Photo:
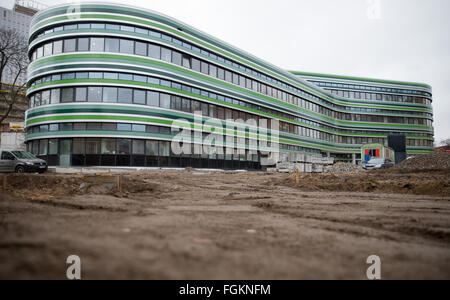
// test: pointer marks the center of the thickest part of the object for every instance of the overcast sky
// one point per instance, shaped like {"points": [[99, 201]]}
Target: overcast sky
{"points": [[390, 39]]}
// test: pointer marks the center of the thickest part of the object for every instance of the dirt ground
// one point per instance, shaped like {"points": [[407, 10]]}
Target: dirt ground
{"points": [[200, 225]]}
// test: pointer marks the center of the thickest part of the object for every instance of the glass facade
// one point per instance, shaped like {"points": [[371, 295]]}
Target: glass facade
{"points": [[114, 99]]}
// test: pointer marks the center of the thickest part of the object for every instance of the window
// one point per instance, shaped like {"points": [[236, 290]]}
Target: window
{"points": [[57, 47], [164, 149], [40, 52], [112, 45], [69, 45], [204, 68], [152, 148], [80, 94], [53, 146], [48, 49], [221, 73], [212, 71], [138, 128], [54, 127], [109, 126], [195, 65], [43, 128], [93, 146], [67, 95], [79, 126], [127, 28], [123, 127], [95, 94], [176, 58], [126, 46], [166, 54], [97, 44], [138, 147], [45, 99], [54, 98], [110, 94], [139, 97], [164, 101], [141, 49], [154, 51], [78, 146], [83, 44], [186, 105], [228, 76], [109, 146], [65, 127], [186, 61], [125, 95], [152, 129], [235, 78], [94, 126], [123, 146], [43, 147], [153, 99]]}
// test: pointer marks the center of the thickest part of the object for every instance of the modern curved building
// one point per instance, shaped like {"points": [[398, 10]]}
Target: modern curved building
{"points": [[109, 83]]}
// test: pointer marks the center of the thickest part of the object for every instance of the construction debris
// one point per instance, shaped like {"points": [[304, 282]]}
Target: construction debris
{"points": [[429, 161]]}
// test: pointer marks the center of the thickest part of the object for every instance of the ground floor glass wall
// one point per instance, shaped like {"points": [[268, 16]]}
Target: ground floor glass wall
{"points": [[112, 152]]}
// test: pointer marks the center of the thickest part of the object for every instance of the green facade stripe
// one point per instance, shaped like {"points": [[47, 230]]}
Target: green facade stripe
{"points": [[215, 81]]}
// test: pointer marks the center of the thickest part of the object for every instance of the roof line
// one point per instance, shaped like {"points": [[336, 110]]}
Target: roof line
{"points": [[360, 79]]}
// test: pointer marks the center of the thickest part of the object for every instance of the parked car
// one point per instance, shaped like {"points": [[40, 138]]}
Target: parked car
{"points": [[21, 162], [378, 163]]}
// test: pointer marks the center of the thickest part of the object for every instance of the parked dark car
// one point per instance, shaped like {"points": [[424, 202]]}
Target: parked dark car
{"points": [[378, 163], [21, 162]]}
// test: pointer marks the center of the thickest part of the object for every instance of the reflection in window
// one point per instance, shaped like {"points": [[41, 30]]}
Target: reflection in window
{"points": [[110, 94], [97, 44], [112, 45], [126, 46], [166, 54], [125, 95], [93, 146], [70, 45], [80, 94], [108, 146], [152, 148], [123, 146], [139, 147], [95, 94]]}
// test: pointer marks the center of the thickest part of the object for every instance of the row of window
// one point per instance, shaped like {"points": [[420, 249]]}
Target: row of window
{"points": [[113, 146], [43, 99], [150, 98], [368, 88], [380, 97], [187, 61], [170, 39]]}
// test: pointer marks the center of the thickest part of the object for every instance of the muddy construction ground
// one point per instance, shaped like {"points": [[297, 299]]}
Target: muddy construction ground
{"points": [[199, 225]]}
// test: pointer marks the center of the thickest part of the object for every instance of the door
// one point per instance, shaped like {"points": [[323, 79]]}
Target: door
{"points": [[65, 153], [7, 162]]}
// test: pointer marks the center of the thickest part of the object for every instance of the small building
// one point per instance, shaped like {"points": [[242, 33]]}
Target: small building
{"points": [[370, 151]]}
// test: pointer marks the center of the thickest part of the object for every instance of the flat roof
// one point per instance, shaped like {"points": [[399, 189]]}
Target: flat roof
{"points": [[360, 79]]}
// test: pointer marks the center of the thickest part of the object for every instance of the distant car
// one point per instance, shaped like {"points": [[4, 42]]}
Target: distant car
{"points": [[21, 162], [378, 163]]}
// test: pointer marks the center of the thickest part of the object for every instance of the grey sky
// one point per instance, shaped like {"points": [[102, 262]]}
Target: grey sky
{"points": [[409, 41]]}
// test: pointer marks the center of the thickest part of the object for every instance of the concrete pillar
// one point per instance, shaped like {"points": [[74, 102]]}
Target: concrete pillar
{"points": [[328, 154], [354, 158]]}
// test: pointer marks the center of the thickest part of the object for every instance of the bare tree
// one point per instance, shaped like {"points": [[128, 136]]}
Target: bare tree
{"points": [[446, 143], [13, 62]]}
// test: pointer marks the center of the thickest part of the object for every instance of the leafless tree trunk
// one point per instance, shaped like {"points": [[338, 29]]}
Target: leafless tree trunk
{"points": [[14, 62]]}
